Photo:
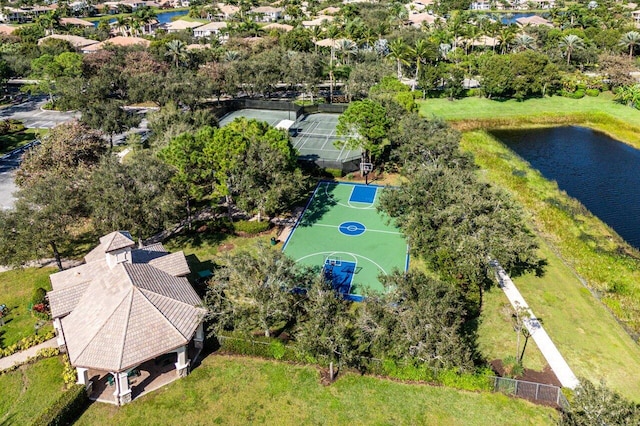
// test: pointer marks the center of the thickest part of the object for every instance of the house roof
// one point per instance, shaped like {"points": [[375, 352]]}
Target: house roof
{"points": [[418, 18], [76, 22], [534, 20], [7, 29], [212, 26], [266, 9], [76, 41], [182, 25], [122, 315], [316, 22], [276, 26], [116, 240], [118, 41]]}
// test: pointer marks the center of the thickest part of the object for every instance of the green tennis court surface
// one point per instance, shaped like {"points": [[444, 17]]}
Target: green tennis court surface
{"points": [[342, 235]]}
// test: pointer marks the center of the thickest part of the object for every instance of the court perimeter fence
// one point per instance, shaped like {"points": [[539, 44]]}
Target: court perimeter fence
{"points": [[346, 166], [274, 349], [224, 107]]}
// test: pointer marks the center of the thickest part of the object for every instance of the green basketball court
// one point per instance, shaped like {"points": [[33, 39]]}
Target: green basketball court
{"points": [[343, 235]]}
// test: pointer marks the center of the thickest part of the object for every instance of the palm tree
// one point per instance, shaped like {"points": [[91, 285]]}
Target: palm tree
{"points": [[399, 52], [122, 25], [422, 51], [231, 55], [177, 50], [571, 43], [523, 42], [630, 40], [506, 37], [316, 34], [346, 48]]}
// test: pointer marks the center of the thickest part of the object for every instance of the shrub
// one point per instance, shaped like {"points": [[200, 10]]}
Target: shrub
{"points": [[578, 94], [512, 368], [251, 227], [26, 343], [467, 381], [334, 172], [4, 127], [66, 409], [39, 296], [277, 349], [592, 92]]}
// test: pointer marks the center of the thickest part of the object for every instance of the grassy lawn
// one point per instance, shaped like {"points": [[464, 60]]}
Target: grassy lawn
{"points": [[15, 140], [29, 390], [234, 390], [481, 108], [16, 289], [585, 332], [496, 337]]}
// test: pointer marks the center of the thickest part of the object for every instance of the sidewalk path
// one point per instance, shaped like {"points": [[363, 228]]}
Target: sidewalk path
{"points": [[549, 351], [20, 357]]}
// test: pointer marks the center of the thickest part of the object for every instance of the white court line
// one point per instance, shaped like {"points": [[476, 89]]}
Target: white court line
{"points": [[366, 229]]}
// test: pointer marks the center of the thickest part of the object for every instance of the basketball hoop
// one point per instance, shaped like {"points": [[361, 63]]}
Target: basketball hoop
{"points": [[365, 169]]}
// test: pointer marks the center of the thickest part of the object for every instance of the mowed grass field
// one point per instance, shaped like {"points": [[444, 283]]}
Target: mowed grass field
{"points": [[482, 108], [29, 390], [240, 391], [16, 290]]}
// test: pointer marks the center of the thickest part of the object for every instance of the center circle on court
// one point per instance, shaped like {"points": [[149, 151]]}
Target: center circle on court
{"points": [[352, 229]]}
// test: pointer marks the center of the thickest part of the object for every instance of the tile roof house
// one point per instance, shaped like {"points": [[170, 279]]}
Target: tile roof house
{"points": [[123, 307], [77, 42], [533, 21]]}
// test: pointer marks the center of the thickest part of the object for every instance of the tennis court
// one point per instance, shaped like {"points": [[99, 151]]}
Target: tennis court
{"points": [[344, 237], [312, 135]]}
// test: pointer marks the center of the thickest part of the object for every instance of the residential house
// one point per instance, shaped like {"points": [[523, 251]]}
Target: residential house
{"points": [[14, 15], [76, 22], [212, 28], [533, 21], [419, 20], [278, 27], [128, 318], [117, 41], [79, 43], [318, 21], [227, 11], [636, 17], [267, 13], [181, 25]]}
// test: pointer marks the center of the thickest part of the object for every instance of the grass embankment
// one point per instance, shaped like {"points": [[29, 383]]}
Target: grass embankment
{"points": [[16, 290], [11, 141], [29, 390], [233, 390], [585, 332]]}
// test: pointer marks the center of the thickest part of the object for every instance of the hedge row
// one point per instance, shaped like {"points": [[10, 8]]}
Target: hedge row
{"points": [[275, 349], [26, 343], [251, 227], [40, 354], [66, 409]]}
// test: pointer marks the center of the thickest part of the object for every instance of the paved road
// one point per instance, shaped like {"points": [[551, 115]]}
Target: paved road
{"points": [[33, 117], [30, 113], [553, 356]]}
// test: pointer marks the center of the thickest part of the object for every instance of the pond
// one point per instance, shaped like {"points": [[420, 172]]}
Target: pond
{"points": [[163, 17], [510, 18], [601, 172]]}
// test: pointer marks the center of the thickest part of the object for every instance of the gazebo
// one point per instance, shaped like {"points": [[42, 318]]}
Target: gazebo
{"points": [[123, 309]]}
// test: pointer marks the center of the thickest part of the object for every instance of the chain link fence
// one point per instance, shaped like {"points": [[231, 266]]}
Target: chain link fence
{"points": [[531, 391]]}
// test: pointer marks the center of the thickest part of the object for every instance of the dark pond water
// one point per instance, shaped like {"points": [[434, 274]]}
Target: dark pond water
{"points": [[604, 174], [163, 17]]}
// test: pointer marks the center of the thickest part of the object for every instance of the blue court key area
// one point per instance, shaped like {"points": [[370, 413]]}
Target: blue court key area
{"points": [[352, 229], [363, 194], [340, 275]]}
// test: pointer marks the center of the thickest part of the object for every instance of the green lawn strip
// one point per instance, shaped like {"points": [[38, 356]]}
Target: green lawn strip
{"points": [[11, 141], [29, 390], [590, 248], [496, 337], [16, 289], [233, 390], [482, 108]]}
